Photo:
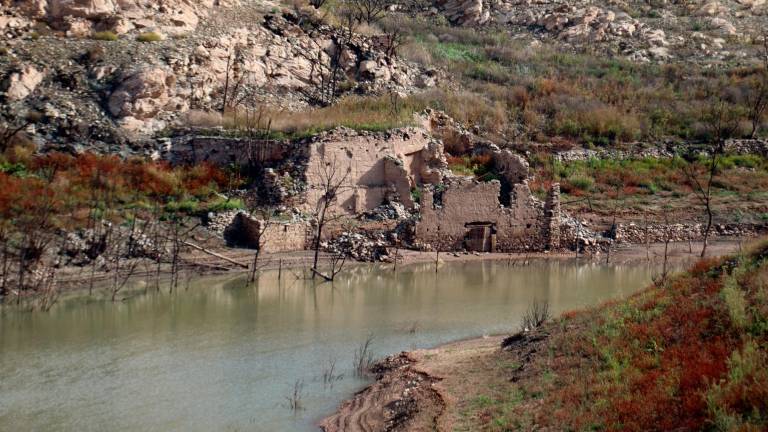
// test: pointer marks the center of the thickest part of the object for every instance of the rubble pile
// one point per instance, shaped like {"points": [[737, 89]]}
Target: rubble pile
{"points": [[390, 211], [218, 222], [367, 247], [575, 235], [83, 246]]}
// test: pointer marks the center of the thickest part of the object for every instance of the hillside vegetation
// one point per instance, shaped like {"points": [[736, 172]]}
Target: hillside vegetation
{"points": [[688, 353]]}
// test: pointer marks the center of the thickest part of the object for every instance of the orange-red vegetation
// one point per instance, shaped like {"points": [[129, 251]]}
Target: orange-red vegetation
{"points": [[64, 187], [687, 354]]}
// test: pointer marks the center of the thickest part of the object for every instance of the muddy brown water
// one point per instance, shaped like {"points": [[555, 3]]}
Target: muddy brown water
{"points": [[222, 355]]}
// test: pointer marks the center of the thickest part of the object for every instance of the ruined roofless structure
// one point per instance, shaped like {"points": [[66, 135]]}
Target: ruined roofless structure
{"points": [[377, 167]]}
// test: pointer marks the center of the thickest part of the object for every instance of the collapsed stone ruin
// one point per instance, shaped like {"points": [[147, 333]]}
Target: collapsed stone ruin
{"points": [[469, 216], [371, 168], [405, 166]]}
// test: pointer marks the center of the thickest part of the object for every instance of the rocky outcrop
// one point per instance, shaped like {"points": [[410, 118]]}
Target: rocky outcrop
{"points": [[465, 12], [20, 82], [141, 94], [102, 95], [120, 16], [587, 24]]}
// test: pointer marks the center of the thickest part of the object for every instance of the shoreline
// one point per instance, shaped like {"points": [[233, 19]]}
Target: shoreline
{"points": [[74, 280], [410, 388]]}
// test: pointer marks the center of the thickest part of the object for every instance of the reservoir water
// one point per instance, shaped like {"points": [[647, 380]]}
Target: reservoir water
{"points": [[220, 354]]}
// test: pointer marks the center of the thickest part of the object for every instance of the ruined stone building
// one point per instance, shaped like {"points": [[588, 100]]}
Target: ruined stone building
{"points": [[468, 215], [375, 168]]}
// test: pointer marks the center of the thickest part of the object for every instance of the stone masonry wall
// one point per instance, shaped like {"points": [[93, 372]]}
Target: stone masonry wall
{"points": [[278, 236], [521, 227], [374, 167], [221, 151]]}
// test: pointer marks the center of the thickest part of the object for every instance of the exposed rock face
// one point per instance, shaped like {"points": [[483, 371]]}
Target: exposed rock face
{"points": [[169, 16], [465, 12], [21, 82], [656, 31], [142, 94], [588, 24], [103, 95]]}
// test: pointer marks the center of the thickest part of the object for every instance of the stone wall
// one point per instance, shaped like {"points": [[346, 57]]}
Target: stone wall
{"points": [[657, 233], [277, 237], [372, 167], [448, 217], [222, 151]]}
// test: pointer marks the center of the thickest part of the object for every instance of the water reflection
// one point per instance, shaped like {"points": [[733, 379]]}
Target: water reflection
{"points": [[223, 354]]}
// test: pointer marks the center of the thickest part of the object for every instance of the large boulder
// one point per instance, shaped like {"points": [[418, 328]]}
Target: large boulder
{"points": [[465, 12], [20, 82], [143, 93]]}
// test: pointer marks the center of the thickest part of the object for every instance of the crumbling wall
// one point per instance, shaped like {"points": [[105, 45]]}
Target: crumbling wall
{"points": [[276, 237], [552, 214], [374, 167], [223, 151], [371, 167], [524, 226]]}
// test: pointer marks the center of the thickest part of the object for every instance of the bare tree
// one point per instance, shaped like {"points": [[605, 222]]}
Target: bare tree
{"points": [[363, 359], [123, 266], [263, 221], [395, 36], [723, 120], [8, 132], [756, 98], [661, 279], [437, 249], [333, 179], [370, 11], [329, 373], [295, 397], [317, 4], [327, 70], [233, 78], [536, 315]]}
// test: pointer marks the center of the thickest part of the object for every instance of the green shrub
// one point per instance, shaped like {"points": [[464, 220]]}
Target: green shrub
{"points": [[733, 297], [223, 204], [582, 182], [105, 36], [149, 37], [183, 206], [416, 194]]}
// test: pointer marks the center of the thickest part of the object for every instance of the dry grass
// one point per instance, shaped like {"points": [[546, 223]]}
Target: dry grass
{"points": [[359, 113]]}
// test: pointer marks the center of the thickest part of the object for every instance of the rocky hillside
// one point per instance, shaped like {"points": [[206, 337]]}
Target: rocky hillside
{"points": [[704, 31], [114, 75], [108, 75]]}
